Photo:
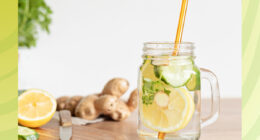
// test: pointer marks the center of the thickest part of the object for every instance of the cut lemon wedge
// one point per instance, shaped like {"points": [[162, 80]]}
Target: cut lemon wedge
{"points": [[35, 108], [175, 116]]}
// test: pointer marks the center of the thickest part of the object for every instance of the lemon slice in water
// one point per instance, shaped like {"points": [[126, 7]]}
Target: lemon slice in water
{"points": [[168, 113]]}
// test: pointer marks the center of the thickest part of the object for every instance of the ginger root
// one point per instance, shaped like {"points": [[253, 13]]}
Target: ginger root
{"points": [[122, 111], [61, 102], [133, 100], [72, 103], [106, 103], [86, 109], [116, 87]]}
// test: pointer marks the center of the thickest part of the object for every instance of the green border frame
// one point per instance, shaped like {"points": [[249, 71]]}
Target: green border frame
{"points": [[251, 69], [8, 69]]}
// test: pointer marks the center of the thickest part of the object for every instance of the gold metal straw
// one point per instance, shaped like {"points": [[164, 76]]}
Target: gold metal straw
{"points": [[161, 135], [178, 39], [180, 27]]}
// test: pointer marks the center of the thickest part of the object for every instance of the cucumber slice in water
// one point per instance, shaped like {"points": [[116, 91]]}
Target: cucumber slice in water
{"points": [[177, 73], [25, 133], [194, 83]]}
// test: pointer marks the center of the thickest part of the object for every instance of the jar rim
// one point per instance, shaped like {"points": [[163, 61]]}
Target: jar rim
{"points": [[168, 42], [167, 47]]}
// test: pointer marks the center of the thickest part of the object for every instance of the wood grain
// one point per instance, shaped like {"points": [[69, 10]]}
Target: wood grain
{"points": [[227, 127]]}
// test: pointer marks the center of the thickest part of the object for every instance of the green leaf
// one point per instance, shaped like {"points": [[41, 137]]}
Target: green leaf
{"points": [[167, 91], [33, 16], [150, 88]]}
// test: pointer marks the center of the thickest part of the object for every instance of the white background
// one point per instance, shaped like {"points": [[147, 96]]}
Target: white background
{"points": [[92, 41]]}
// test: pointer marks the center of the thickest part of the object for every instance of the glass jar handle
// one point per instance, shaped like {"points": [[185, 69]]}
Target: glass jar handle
{"points": [[215, 97]]}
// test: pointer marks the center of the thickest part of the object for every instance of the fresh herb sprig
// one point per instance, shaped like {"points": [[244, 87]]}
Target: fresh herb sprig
{"points": [[33, 15], [150, 88]]}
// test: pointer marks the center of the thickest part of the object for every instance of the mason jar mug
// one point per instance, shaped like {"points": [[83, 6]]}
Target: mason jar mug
{"points": [[169, 93]]}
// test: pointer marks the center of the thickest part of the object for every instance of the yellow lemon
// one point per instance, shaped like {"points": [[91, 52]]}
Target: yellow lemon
{"points": [[35, 108], [168, 113], [191, 108], [147, 69]]}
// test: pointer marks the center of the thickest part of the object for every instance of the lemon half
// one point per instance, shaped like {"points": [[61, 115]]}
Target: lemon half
{"points": [[35, 108]]}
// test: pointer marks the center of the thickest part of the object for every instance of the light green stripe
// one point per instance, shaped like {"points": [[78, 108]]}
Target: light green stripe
{"points": [[252, 76], [8, 60], [248, 22], [8, 69], [251, 70], [11, 40], [8, 87], [12, 72], [9, 134], [248, 109], [8, 106], [254, 131], [8, 121], [250, 50], [245, 4]]}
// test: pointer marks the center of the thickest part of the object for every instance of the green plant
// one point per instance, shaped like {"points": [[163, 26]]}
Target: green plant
{"points": [[33, 15]]}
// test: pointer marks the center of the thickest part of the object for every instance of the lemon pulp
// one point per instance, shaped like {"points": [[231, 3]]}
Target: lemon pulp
{"points": [[35, 108]]}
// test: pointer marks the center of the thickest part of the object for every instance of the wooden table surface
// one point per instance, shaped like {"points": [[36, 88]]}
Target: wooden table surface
{"points": [[227, 127]]}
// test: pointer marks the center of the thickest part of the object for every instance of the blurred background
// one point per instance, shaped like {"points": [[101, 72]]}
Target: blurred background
{"points": [[92, 41]]}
